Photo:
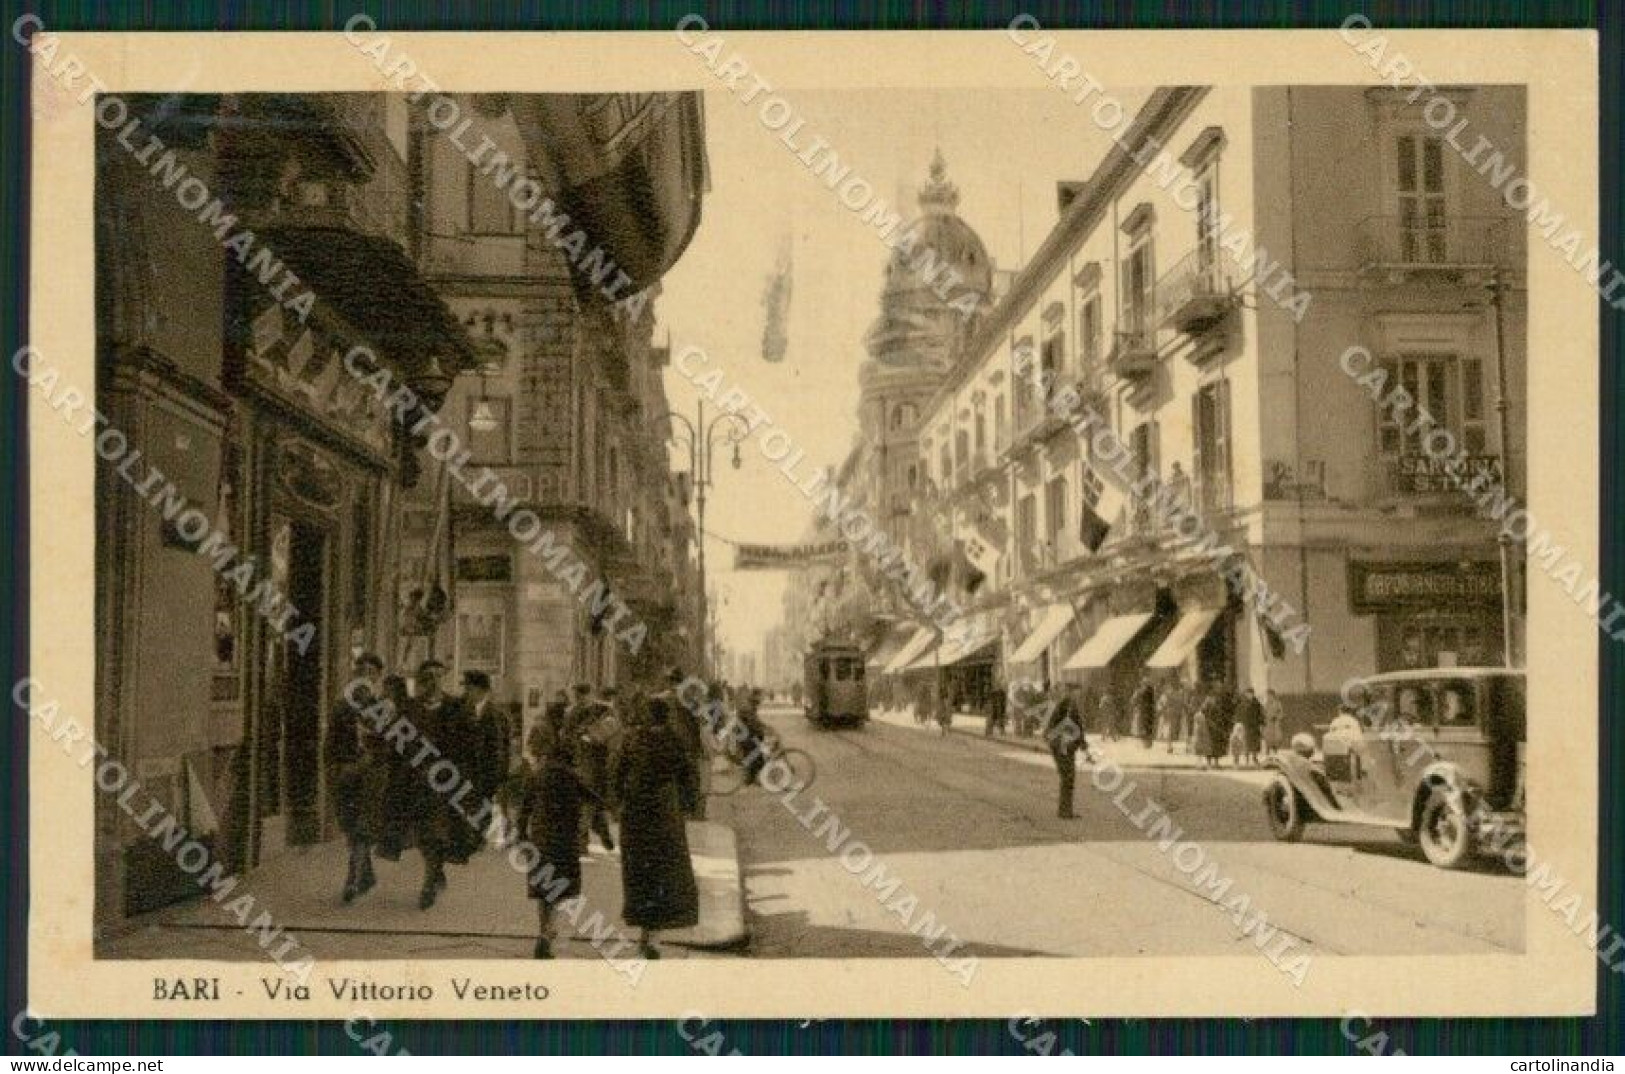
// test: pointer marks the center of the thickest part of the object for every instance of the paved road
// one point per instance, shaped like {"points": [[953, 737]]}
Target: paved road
{"points": [[968, 826]]}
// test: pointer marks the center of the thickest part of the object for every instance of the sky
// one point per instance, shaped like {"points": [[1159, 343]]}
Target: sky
{"points": [[1005, 150]]}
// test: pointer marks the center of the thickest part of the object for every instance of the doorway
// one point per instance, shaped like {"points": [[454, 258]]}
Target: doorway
{"points": [[291, 725]]}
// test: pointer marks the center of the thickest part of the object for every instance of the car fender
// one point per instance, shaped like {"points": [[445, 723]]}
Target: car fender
{"points": [[1442, 774], [1299, 771]]}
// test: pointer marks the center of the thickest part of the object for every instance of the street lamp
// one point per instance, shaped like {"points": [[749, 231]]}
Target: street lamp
{"points": [[1503, 405], [701, 439]]}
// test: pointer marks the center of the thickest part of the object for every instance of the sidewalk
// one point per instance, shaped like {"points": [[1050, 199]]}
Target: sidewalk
{"points": [[1126, 753], [484, 911]]}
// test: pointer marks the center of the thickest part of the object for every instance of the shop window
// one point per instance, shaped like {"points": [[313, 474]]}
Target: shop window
{"points": [[1431, 640]]}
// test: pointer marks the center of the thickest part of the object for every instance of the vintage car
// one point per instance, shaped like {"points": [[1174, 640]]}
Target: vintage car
{"points": [[1436, 755]]}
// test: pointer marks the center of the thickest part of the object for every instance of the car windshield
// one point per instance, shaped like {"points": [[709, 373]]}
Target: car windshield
{"points": [[1458, 704]]}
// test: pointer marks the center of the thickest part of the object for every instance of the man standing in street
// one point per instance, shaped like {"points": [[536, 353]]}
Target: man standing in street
{"points": [[1063, 731], [589, 750], [443, 834], [684, 712]]}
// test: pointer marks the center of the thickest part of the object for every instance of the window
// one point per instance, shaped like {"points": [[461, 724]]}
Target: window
{"points": [[1452, 393], [1210, 421], [1139, 278], [903, 415], [1055, 508], [1053, 357], [1207, 217], [1144, 449], [961, 448], [489, 210], [1027, 529], [946, 466], [1001, 430], [981, 435], [492, 445], [1419, 185]]}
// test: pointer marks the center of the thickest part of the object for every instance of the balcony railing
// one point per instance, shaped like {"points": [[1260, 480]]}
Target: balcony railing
{"points": [[1196, 293], [1398, 244]]}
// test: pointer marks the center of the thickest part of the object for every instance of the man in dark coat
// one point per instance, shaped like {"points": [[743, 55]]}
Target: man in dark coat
{"points": [[589, 753], [348, 757], [686, 712], [450, 750], [489, 728], [1144, 705], [654, 785], [549, 812], [1250, 714], [1063, 732]]}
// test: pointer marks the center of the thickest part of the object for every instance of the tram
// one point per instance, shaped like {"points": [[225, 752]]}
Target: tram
{"points": [[834, 678]]}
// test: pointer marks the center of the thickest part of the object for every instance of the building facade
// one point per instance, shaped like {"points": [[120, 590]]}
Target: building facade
{"points": [[277, 518]]}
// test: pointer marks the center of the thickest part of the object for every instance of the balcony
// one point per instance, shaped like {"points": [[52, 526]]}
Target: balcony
{"points": [[1133, 352], [1399, 248], [1197, 293]]}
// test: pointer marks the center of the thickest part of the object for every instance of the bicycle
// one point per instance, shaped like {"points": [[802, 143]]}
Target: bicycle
{"points": [[776, 757]]}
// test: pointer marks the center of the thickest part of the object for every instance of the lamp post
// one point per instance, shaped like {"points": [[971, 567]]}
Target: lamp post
{"points": [[701, 437]]}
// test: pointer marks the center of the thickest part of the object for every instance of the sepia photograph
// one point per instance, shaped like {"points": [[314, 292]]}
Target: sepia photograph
{"points": [[558, 550]]}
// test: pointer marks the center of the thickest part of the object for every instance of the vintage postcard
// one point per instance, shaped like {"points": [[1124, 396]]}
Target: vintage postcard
{"points": [[697, 524]]}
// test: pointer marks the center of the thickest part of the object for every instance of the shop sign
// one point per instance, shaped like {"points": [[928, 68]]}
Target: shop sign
{"points": [[1417, 475], [1378, 586]]}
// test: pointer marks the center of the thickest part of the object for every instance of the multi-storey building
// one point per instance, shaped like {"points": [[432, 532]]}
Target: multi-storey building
{"points": [[1199, 293], [246, 254]]}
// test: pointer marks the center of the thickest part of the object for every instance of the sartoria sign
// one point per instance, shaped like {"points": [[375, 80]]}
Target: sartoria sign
{"points": [[1376, 586]]}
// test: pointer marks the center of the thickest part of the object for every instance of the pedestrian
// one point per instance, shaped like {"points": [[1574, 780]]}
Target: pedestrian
{"points": [[1063, 733], [752, 736], [488, 729], [944, 710], [653, 786], [1274, 722], [1144, 704], [588, 739], [352, 766], [685, 716], [996, 710], [1223, 720], [1211, 731], [444, 833], [1250, 718], [1108, 714], [549, 816], [392, 775]]}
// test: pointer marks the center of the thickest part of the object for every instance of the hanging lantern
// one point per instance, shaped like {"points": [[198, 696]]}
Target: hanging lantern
{"points": [[484, 418]]}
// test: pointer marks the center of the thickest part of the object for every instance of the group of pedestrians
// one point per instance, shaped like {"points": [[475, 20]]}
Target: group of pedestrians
{"points": [[421, 768]]}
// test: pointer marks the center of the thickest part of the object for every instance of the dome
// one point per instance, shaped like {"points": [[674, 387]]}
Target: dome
{"points": [[937, 241], [938, 278]]}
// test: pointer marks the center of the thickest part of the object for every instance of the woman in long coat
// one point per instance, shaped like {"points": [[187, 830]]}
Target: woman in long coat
{"points": [[1208, 737], [653, 785], [549, 811]]}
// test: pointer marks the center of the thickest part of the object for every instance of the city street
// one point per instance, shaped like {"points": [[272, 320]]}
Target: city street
{"points": [[969, 826]]}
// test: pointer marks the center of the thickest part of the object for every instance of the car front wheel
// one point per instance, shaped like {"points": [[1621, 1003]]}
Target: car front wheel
{"points": [[1285, 810], [1444, 831]]}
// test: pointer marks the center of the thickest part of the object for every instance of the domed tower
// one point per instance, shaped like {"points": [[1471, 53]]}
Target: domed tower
{"points": [[937, 288]]}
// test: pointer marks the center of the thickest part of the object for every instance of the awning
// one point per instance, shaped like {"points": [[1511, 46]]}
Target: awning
{"points": [[1187, 635], [888, 647], [957, 650], [1107, 642], [929, 660], [923, 637], [376, 287], [1056, 618]]}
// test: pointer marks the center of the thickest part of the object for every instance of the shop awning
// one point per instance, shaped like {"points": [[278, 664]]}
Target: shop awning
{"points": [[1107, 642], [958, 649], [922, 639], [1056, 618], [888, 647], [1187, 635], [929, 660]]}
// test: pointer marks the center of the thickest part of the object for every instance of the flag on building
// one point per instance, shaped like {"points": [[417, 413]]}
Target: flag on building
{"points": [[1102, 503]]}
